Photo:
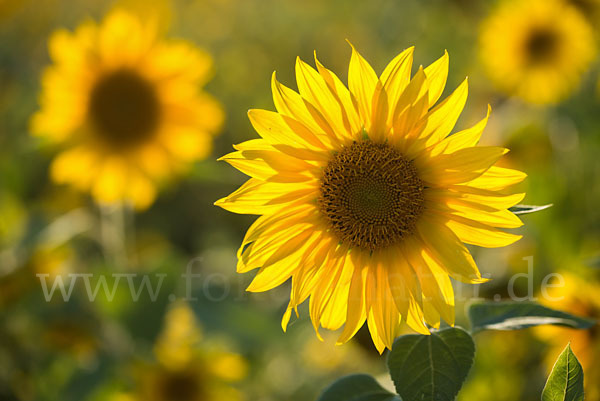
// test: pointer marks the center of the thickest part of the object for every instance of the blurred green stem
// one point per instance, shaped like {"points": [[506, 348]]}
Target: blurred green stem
{"points": [[116, 222]]}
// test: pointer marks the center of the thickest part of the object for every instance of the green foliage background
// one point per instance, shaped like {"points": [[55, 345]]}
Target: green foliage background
{"points": [[557, 146]]}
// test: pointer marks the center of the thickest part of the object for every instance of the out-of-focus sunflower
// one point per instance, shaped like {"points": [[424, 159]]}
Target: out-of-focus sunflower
{"points": [[580, 297], [320, 358], [45, 262], [187, 368], [70, 336], [365, 201], [588, 8], [537, 49], [128, 107]]}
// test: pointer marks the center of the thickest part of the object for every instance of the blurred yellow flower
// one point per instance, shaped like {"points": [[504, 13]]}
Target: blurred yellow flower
{"points": [[14, 219], [68, 335], [536, 49], [127, 106], [365, 201], [580, 297], [320, 357], [187, 369], [588, 8], [45, 259], [179, 337]]}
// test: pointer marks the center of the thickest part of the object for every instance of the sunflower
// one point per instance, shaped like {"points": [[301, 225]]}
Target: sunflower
{"points": [[580, 297], [127, 107], [588, 8], [537, 50], [365, 201], [187, 369]]}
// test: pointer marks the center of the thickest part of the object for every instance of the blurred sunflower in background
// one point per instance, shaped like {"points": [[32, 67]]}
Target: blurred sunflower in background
{"points": [[537, 50], [365, 199], [187, 369], [46, 260], [580, 297], [590, 9], [126, 106]]}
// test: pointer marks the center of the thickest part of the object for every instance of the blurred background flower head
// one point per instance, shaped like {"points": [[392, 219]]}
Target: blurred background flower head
{"points": [[126, 105], [537, 50], [187, 368]]}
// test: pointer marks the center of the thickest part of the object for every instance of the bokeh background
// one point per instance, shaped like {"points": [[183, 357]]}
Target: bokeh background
{"points": [[113, 349]]}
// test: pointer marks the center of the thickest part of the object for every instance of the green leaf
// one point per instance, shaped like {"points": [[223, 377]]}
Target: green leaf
{"points": [[565, 382], [357, 388], [526, 209], [433, 367], [510, 315]]}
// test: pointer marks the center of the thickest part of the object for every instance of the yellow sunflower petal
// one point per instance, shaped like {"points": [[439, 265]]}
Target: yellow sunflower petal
{"points": [[377, 338], [282, 263], [111, 182], [334, 313], [309, 273], [342, 94], [141, 191], [258, 252], [313, 88], [291, 104], [435, 284], [442, 118], [446, 248], [497, 178], [77, 166], [383, 307], [415, 318], [461, 166], [480, 234], [274, 129], [357, 308], [123, 39], [437, 74], [473, 197], [462, 139], [259, 197], [395, 78], [412, 104], [331, 293], [362, 82]]}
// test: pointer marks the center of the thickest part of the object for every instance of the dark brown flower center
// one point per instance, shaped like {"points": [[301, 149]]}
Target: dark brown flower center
{"points": [[124, 109], [180, 386], [541, 45], [371, 195], [586, 7]]}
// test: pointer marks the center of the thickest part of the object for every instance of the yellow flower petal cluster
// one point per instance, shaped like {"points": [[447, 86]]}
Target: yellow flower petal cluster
{"points": [[365, 199], [188, 368], [126, 106]]}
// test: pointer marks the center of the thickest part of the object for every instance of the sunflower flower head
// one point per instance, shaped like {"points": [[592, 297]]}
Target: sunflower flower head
{"points": [[537, 50], [126, 106], [188, 367], [365, 201], [590, 9]]}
